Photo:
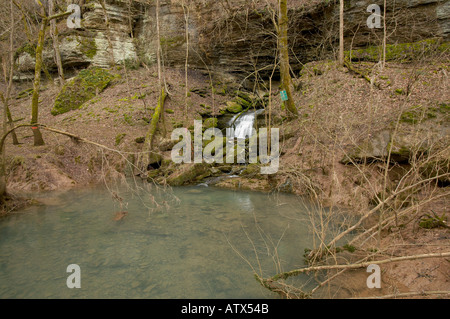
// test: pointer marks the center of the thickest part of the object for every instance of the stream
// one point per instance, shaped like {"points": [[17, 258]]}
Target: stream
{"points": [[196, 242]]}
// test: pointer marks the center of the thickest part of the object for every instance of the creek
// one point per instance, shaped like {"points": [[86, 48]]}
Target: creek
{"points": [[194, 243]]}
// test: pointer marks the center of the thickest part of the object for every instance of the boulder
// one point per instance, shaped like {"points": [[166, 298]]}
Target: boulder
{"points": [[233, 107]]}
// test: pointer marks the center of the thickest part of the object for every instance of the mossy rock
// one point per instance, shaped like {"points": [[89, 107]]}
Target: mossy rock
{"points": [[153, 174], [203, 92], [188, 173], [205, 112], [210, 123], [26, 48], [87, 46], [243, 102], [87, 84], [233, 107], [402, 52], [140, 140], [252, 170]]}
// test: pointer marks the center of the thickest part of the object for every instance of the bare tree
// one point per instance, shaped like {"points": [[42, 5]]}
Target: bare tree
{"points": [[108, 33], [383, 63], [54, 35], [9, 76], [146, 155], [5, 106], [341, 32], [186, 18], [286, 80], [38, 140]]}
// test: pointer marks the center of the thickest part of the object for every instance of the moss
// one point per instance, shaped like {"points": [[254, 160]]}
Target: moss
{"points": [[119, 138], [140, 140], [25, 93], [243, 102], [251, 170], [220, 91], [429, 222], [29, 48], [444, 108], [188, 173], [349, 248], [87, 46], [402, 52], [172, 42], [177, 124], [418, 114], [169, 111], [210, 123], [128, 119], [86, 85], [233, 107]]}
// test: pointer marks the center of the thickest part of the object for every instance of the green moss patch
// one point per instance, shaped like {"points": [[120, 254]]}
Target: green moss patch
{"points": [[87, 46], [402, 52], [210, 123], [87, 84], [233, 107], [26, 48], [418, 114]]}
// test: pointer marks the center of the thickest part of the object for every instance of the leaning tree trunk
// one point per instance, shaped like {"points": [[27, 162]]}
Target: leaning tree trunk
{"points": [[147, 154], [286, 80]]}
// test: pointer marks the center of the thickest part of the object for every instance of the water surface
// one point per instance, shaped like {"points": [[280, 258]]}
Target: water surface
{"points": [[193, 245]]}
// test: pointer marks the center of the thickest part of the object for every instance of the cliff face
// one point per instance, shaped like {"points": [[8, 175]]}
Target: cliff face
{"points": [[231, 37]]}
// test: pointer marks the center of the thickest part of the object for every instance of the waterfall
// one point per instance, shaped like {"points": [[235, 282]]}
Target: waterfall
{"points": [[243, 123]]}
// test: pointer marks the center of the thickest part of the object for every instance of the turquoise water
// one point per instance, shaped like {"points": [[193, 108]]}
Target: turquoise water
{"points": [[192, 245]]}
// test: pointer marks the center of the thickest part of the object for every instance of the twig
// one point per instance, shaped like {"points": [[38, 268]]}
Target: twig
{"points": [[407, 294], [296, 272]]}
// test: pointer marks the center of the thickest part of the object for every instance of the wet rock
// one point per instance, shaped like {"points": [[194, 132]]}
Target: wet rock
{"points": [[188, 173]]}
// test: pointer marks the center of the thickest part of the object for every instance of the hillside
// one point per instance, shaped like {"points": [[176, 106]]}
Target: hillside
{"points": [[369, 141]]}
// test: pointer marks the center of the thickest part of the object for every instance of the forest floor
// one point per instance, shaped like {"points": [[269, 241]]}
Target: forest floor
{"points": [[337, 110]]}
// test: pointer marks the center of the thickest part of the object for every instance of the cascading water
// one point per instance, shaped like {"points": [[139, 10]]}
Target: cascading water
{"points": [[243, 123]]}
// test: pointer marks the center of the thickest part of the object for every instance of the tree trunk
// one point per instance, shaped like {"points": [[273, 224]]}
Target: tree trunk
{"points": [[108, 33], [5, 99], [54, 35], [38, 140], [186, 19], [5, 111], [383, 62], [146, 154], [11, 123], [286, 80], [341, 32]]}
